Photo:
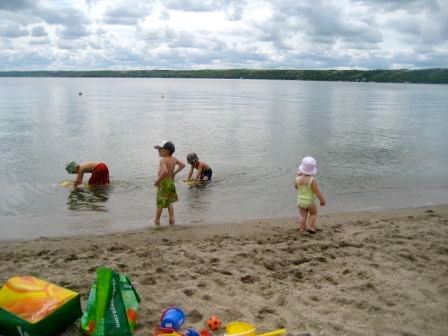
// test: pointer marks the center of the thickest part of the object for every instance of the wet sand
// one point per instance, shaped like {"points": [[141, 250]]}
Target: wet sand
{"points": [[369, 273]]}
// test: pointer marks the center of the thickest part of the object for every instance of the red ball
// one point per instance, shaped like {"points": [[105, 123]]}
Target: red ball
{"points": [[213, 323]]}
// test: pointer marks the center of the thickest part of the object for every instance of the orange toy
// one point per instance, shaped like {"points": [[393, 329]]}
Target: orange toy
{"points": [[213, 323]]}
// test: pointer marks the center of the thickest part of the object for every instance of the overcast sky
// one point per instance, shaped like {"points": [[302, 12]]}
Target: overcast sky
{"points": [[222, 34]]}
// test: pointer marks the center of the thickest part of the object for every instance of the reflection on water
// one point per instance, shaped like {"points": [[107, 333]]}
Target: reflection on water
{"points": [[198, 195], [88, 199], [197, 199]]}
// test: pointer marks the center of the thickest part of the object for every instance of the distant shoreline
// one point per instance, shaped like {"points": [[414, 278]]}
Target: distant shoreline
{"points": [[425, 76]]}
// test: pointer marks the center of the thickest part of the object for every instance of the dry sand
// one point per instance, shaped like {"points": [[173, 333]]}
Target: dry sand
{"points": [[371, 273]]}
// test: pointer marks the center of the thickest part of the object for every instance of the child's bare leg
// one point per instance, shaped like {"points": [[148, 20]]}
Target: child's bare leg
{"points": [[171, 214], [312, 219], [157, 218], [303, 213]]}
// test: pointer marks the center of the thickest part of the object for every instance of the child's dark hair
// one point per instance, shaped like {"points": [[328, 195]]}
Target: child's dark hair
{"points": [[192, 158]]}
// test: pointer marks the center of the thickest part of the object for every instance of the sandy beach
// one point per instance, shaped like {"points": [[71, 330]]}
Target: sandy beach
{"points": [[369, 273]]}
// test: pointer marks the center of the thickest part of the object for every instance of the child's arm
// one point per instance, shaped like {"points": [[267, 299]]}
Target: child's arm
{"points": [[190, 174], [163, 172], [79, 177], [180, 166], [316, 190]]}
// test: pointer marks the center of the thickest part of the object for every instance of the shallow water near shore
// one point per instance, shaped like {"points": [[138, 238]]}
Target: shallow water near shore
{"points": [[377, 146]]}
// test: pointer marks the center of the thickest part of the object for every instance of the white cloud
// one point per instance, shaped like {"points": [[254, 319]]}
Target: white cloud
{"points": [[126, 13], [13, 31], [188, 34], [39, 31]]}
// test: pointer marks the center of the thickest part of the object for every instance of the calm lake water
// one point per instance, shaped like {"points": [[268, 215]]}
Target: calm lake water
{"points": [[377, 146]]}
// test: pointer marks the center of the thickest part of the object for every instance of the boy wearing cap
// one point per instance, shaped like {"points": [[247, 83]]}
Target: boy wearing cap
{"points": [[99, 171], [166, 189]]}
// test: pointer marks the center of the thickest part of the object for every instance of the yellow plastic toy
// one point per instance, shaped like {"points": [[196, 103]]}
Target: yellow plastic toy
{"points": [[69, 184], [246, 329], [194, 183]]}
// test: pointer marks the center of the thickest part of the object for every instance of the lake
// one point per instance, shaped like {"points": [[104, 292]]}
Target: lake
{"points": [[377, 146]]}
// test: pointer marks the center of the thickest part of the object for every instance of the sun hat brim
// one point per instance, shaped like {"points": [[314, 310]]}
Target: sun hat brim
{"points": [[305, 171]]}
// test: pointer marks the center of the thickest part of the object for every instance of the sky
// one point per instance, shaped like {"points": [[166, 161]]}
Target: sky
{"points": [[223, 34]]}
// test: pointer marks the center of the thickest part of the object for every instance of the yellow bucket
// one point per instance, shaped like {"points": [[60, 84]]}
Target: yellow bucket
{"points": [[246, 329]]}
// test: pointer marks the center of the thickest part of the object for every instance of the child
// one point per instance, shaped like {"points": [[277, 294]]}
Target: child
{"points": [[307, 189], [204, 171], [99, 170], [166, 189]]}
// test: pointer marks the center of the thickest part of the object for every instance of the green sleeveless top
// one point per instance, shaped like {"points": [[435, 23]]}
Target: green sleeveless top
{"points": [[305, 195]]}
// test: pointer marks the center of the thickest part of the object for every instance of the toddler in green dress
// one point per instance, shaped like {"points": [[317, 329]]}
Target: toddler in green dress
{"points": [[307, 188]]}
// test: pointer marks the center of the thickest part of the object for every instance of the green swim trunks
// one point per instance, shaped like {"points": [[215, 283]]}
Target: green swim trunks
{"points": [[166, 193]]}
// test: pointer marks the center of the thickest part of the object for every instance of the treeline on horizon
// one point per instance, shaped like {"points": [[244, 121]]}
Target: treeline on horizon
{"points": [[427, 76]]}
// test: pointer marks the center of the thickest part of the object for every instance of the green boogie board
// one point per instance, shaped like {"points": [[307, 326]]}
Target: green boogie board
{"points": [[112, 306]]}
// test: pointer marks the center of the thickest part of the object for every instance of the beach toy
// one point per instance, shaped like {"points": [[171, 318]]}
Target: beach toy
{"points": [[66, 184], [246, 329], [172, 317], [213, 322], [194, 183], [159, 331], [191, 332], [31, 306], [69, 184], [204, 332]]}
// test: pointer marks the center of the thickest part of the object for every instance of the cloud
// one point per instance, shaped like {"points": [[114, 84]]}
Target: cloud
{"points": [[232, 8], [73, 22], [403, 5], [40, 41], [73, 32], [39, 31], [126, 14], [62, 16], [188, 34], [324, 22], [13, 31], [16, 5], [181, 40], [31, 59], [71, 45], [193, 6]]}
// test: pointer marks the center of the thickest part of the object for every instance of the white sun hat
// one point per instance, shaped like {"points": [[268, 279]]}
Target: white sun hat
{"points": [[308, 166]]}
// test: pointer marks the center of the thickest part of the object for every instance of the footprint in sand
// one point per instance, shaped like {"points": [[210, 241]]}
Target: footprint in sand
{"points": [[298, 275], [149, 280], [189, 291], [214, 261], [202, 284], [194, 316], [248, 279], [117, 248], [267, 310], [282, 301]]}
